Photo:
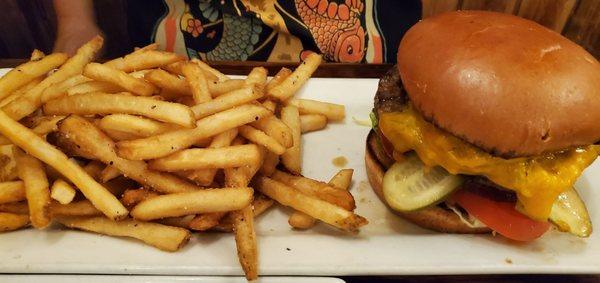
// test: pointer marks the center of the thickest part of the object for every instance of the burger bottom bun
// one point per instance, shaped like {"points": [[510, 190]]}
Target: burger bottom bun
{"points": [[433, 218]]}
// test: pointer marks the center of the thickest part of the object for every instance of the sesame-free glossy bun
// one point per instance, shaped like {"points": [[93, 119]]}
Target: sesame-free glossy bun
{"points": [[503, 83]]}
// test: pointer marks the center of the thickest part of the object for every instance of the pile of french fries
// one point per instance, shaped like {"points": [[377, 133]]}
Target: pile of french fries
{"points": [[152, 146]]}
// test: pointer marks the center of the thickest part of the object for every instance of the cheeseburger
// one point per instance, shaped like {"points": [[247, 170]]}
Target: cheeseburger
{"points": [[484, 125]]}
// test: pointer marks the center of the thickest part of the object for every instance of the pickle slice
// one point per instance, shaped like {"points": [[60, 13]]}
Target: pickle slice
{"points": [[409, 185], [569, 214]]}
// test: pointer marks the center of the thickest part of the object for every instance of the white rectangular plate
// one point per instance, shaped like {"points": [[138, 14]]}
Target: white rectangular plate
{"points": [[53, 278], [388, 245]]}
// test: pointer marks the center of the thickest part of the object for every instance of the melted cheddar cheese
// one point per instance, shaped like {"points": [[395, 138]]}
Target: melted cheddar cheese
{"points": [[537, 180]]}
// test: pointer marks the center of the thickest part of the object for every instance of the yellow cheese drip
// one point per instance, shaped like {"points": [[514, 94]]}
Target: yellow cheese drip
{"points": [[537, 180]]}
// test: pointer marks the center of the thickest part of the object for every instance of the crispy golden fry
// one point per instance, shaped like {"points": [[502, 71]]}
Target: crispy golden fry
{"points": [[30, 101], [333, 112], [168, 82], [175, 68], [15, 207], [301, 220], [44, 127], [258, 77], [21, 91], [31, 171], [319, 209], [276, 129], [105, 103], [197, 81], [245, 240], [206, 221], [108, 173], [203, 201], [144, 59], [114, 76], [36, 55], [310, 187], [292, 158], [227, 101], [76, 208], [60, 89], [127, 127], [182, 222], [241, 176], [296, 79], [27, 72], [312, 122], [11, 222], [92, 142], [8, 167], [12, 191], [210, 70], [259, 137], [260, 204], [92, 87], [39, 148], [342, 179], [168, 143], [204, 177], [62, 192], [270, 104], [217, 88], [269, 164], [278, 78], [205, 158], [131, 198], [163, 237]]}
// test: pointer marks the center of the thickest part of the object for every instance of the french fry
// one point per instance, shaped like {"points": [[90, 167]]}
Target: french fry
{"points": [[60, 89], [62, 192], [127, 127], [319, 209], [168, 143], [131, 198], [241, 176], [197, 82], [210, 70], [11, 222], [258, 76], [21, 91], [278, 78], [36, 55], [92, 87], [276, 129], [76, 208], [30, 101], [312, 122], [31, 171], [227, 101], [260, 204], [270, 104], [93, 143], [269, 164], [217, 88], [206, 221], [341, 198], [182, 222], [27, 72], [205, 158], [259, 137], [342, 179], [44, 127], [12, 191], [94, 169], [15, 207], [292, 157], [333, 112], [163, 237], [39, 148], [108, 173], [168, 82], [203, 201], [245, 240], [296, 79], [175, 68], [114, 76], [144, 59], [8, 167], [105, 103]]}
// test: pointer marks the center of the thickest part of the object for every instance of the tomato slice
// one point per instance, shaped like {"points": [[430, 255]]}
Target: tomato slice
{"points": [[501, 217]]}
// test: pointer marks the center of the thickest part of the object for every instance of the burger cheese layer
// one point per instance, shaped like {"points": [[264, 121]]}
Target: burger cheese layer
{"points": [[537, 180]]}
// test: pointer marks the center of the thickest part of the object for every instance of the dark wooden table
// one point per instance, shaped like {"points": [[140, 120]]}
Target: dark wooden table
{"points": [[376, 71]]}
